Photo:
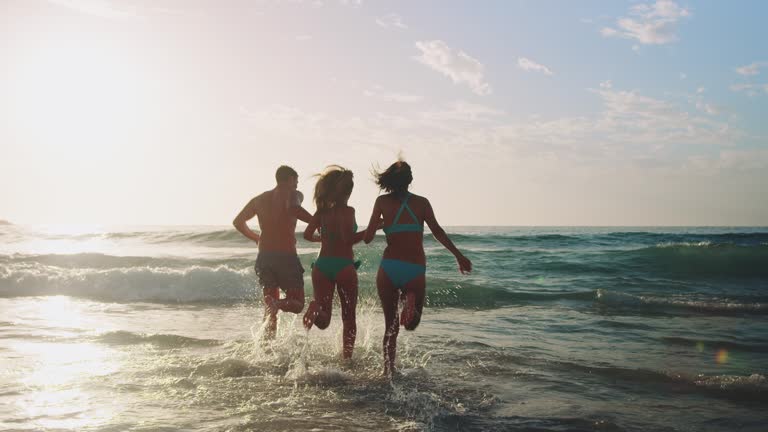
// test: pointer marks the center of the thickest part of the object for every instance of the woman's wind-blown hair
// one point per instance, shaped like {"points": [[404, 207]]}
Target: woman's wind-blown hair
{"points": [[333, 188], [396, 178]]}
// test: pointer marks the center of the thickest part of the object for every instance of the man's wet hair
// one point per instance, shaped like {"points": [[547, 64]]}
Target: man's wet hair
{"points": [[285, 173]]}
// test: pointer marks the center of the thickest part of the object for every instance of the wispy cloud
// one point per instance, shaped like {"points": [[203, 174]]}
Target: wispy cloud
{"points": [[530, 65], [649, 24], [378, 92], [628, 126], [391, 20], [707, 108], [100, 8], [750, 89], [322, 3], [751, 69], [459, 66]]}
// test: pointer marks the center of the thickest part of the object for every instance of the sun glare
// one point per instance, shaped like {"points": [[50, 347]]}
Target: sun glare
{"points": [[60, 373], [77, 88]]}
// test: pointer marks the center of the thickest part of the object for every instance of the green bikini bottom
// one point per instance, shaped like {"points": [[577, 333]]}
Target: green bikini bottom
{"points": [[331, 266]]}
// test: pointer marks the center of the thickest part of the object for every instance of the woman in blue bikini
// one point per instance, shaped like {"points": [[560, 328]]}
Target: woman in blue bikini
{"points": [[401, 275], [335, 267]]}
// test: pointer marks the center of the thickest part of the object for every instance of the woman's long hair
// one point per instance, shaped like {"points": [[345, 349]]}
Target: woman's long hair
{"points": [[396, 178], [334, 186]]}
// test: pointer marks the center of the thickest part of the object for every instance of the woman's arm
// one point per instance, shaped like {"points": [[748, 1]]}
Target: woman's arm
{"points": [[465, 265], [373, 223], [309, 233]]}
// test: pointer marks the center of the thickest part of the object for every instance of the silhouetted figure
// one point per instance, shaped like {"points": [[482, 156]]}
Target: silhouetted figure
{"points": [[401, 275], [335, 267], [277, 265]]}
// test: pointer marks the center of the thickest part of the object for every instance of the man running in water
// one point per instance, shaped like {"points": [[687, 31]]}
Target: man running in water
{"points": [[277, 265]]}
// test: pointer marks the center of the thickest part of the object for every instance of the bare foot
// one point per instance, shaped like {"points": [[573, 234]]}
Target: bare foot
{"points": [[311, 315], [409, 311]]}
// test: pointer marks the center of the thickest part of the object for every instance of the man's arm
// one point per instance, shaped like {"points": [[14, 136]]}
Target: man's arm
{"points": [[301, 213], [309, 233], [246, 214]]}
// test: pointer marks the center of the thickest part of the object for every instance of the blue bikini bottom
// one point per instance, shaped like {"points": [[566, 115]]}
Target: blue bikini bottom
{"points": [[401, 272]]}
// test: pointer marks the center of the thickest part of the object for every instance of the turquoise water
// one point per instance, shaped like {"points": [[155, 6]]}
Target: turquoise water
{"points": [[619, 328]]}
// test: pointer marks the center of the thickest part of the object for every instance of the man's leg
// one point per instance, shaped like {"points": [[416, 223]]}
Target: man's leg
{"points": [[291, 278], [293, 301], [271, 298], [271, 293]]}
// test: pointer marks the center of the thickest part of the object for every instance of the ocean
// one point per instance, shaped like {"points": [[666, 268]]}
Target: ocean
{"points": [[556, 329]]}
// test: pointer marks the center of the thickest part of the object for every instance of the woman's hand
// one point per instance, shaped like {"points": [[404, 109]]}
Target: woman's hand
{"points": [[465, 265]]}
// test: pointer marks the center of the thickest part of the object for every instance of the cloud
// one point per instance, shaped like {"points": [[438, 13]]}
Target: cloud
{"points": [[707, 108], [750, 89], [606, 84], [303, 38], [100, 8], [530, 65], [736, 159], [457, 65], [322, 3], [649, 24], [391, 20], [629, 126], [378, 92], [749, 70]]}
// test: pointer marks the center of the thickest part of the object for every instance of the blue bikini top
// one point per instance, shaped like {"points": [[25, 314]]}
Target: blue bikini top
{"points": [[396, 227]]}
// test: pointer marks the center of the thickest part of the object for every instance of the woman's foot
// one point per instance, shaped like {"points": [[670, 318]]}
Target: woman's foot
{"points": [[311, 315]]}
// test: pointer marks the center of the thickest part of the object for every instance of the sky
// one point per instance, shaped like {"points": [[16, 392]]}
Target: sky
{"points": [[510, 112]]}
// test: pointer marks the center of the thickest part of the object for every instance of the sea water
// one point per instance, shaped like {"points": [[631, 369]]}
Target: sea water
{"points": [[609, 329]]}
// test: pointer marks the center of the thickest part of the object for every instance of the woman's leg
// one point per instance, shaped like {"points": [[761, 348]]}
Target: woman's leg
{"points": [[346, 282], [319, 310], [414, 293], [388, 295]]}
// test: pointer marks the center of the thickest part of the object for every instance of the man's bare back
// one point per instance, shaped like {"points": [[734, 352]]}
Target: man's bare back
{"points": [[277, 265]]}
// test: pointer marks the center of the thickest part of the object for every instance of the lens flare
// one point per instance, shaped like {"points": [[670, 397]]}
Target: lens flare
{"points": [[721, 357]]}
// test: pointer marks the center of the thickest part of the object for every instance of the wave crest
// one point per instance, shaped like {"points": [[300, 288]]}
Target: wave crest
{"points": [[154, 284]]}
